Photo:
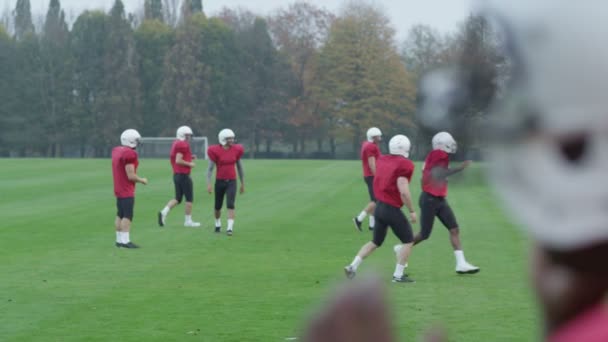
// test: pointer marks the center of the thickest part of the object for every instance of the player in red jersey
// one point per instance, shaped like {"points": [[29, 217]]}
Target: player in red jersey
{"points": [[370, 152], [433, 202], [226, 156], [182, 162], [391, 189], [124, 173]]}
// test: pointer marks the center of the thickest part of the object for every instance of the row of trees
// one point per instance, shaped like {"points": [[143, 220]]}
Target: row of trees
{"points": [[302, 79]]}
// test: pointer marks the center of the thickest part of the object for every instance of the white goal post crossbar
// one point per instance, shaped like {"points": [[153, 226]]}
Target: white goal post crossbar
{"points": [[160, 147]]}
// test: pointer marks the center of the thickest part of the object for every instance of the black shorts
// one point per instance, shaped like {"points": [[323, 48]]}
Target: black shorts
{"points": [[183, 187], [124, 207], [431, 207], [389, 216], [225, 187], [369, 180]]}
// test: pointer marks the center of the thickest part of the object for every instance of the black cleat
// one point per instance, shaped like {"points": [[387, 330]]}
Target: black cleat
{"points": [[357, 224], [160, 219], [371, 228], [129, 245], [118, 244], [404, 279], [229, 232], [218, 229]]}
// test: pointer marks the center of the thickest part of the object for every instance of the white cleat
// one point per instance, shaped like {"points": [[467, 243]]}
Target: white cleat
{"points": [[466, 268], [397, 249], [350, 272], [192, 224]]}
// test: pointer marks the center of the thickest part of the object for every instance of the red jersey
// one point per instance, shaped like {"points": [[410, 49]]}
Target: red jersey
{"points": [[121, 157], [225, 159], [183, 147], [435, 187], [591, 326], [368, 149], [388, 169]]}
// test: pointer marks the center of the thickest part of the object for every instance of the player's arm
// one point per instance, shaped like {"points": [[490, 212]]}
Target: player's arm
{"points": [[239, 169], [441, 173], [210, 171], [406, 196], [179, 160], [132, 176], [371, 161]]}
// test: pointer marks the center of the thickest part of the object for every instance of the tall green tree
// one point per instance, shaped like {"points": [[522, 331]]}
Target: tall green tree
{"points": [[10, 119], [364, 82], [121, 98], [23, 19], [57, 78], [186, 81], [154, 40], [153, 10], [88, 37]]}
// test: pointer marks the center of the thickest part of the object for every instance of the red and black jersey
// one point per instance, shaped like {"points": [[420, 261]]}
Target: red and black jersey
{"points": [[225, 159], [183, 147], [121, 157], [388, 169], [435, 186]]}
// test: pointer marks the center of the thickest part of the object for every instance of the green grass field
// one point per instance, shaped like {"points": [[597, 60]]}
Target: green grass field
{"points": [[62, 279]]}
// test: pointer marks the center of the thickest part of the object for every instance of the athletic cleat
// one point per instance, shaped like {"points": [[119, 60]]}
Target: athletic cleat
{"points": [[118, 244], [350, 272], [404, 279], [192, 224], [357, 224], [467, 268], [218, 229], [229, 232], [161, 219], [129, 245], [371, 228]]}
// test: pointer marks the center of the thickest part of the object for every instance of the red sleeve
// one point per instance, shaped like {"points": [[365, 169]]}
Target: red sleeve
{"points": [[376, 151], [406, 170], [241, 152], [181, 147], [212, 155], [130, 157]]}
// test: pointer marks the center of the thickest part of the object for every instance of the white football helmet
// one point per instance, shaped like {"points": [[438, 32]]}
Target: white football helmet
{"points": [[373, 132], [445, 142], [399, 145], [549, 157], [130, 138], [182, 132], [225, 134]]}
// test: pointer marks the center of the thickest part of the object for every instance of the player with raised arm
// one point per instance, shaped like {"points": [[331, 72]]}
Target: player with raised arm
{"points": [[391, 189], [226, 156], [370, 152], [433, 202], [124, 174], [182, 162]]}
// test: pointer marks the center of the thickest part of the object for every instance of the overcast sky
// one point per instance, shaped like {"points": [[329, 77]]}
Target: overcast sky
{"points": [[441, 14]]}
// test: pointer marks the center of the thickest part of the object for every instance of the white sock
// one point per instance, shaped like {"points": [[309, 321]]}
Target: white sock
{"points": [[118, 236], [125, 237], [459, 257], [188, 218], [230, 224], [399, 271], [361, 216], [372, 221], [218, 222], [356, 262], [165, 211]]}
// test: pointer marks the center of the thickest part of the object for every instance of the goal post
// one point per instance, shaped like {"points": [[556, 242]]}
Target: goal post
{"points": [[160, 147]]}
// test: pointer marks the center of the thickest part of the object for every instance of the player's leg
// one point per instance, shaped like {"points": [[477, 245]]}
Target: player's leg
{"points": [[117, 224], [188, 190], [230, 200], [447, 217], [428, 210], [403, 230], [127, 205], [369, 208], [162, 215], [220, 192], [367, 249]]}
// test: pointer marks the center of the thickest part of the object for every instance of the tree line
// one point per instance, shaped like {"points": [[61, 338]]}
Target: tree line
{"points": [[300, 82]]}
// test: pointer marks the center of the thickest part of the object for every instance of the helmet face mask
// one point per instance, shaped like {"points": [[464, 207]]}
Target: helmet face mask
{"points": [[130, 138], [226, 137], [400, 145], [184, 133], [374, 134], [445, 142]]}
